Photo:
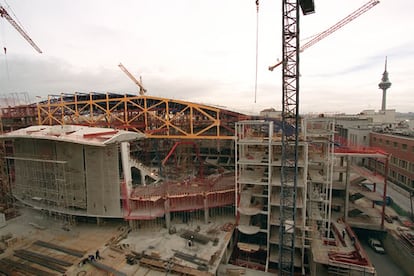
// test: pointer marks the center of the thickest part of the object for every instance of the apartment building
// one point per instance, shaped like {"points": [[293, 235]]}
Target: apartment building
{"points": [[401, 164]]}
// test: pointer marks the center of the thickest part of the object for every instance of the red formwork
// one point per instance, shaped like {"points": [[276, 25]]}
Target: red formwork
{"points": [[152, 201]]}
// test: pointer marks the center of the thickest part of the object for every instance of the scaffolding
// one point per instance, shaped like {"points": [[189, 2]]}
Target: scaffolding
{"points": [[320, 133]]}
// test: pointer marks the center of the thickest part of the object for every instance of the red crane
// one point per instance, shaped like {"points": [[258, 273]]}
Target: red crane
{"points": [[333, 28], [6, 15]]}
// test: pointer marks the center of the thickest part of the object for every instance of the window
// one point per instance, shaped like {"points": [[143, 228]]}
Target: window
{"points": [[403, 164], [394, 160], [402, 178], [375, 139], [380, 167], [387, 142], [395, 145], [404, 146]]}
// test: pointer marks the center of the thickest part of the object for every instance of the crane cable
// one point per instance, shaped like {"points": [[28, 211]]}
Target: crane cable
{"points": [[257, 49], [3, 35]]}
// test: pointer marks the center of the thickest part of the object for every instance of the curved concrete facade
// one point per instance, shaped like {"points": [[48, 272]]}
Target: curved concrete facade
{"points": [[71, 170]]}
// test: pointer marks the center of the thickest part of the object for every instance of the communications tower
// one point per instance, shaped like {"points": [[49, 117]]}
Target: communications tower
{"points": [[384, 85]]}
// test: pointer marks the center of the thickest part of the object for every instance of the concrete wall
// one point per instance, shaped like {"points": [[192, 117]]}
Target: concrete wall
{"points": [[2, 220], [51, 173], [102, 181], [359, 137], [72, 191], [77, 177], [398, 253], [35, 178]]}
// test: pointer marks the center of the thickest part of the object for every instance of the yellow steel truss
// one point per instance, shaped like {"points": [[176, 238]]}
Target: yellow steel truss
{"points": [[156, 117]]}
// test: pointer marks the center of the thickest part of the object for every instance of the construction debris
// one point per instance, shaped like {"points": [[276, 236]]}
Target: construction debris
{"points": [[66, 250], [108, 269], [197, 237], [44, 257], [123, 233], [37, 226], [171, 266], [202, 264], [39, 261], [235, 271], [10, 267]]}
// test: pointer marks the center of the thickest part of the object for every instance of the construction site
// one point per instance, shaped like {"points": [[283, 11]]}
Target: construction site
{"points": [[131, 184]]}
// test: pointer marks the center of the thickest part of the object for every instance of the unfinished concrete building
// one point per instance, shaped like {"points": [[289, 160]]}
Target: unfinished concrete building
{"points": [[333, 187], [258, 187]]}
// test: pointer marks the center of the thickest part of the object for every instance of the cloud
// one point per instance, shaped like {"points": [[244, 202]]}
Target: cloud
{"points": [[205, 52]]}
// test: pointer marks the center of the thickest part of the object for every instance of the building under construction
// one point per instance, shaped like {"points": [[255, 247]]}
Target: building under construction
{"points": [[156, 162], [219, 192]]}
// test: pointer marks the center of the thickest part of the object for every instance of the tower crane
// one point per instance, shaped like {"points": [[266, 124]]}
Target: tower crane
{"points": [[142, 90], [6, 15], [355, 14], [290, 142]]}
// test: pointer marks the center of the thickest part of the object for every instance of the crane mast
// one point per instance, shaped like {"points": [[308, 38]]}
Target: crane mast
{"points": [[290, 119], [355, 14], [5, 14], [142, 90]]}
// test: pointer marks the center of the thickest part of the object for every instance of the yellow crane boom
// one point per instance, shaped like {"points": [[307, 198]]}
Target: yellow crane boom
{"points": [[6, 15], [366, 7], [142, 90]]}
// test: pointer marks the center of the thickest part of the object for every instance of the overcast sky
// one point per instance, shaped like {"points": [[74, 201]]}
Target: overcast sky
{"points": [[205, 51]]}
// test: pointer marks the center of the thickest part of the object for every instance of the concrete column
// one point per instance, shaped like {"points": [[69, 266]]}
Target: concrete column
{"points": [[126, 167], [167, 213], [347, 176], [131, 224], [143, 178], [98, 221], [341, 174], [205, 210]]}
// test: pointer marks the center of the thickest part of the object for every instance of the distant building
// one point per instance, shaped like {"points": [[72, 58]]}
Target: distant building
{"points": [[382, 117], [270, 113], [401, 164], [383, 131]]}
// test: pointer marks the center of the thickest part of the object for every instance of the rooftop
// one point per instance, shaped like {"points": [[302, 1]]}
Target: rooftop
{"points": [[92, 136]]}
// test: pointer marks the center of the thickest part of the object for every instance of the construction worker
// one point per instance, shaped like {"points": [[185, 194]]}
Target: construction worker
{"points": [[91, 258], [97, 255]]}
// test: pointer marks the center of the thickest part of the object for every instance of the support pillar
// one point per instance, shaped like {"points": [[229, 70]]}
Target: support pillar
{"points": [[411, 205], [99, 221], [131, 224], [205, 210], [384, 196], [167, 213], [126, 167], [341, 174], [143, 178], [347, 176]]}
